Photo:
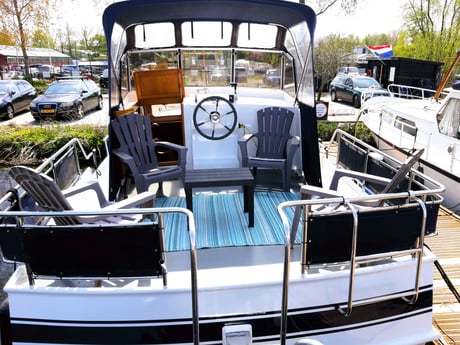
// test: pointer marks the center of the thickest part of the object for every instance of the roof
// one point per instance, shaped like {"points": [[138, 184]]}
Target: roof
{"points": [[14, 51], [285, 14]]}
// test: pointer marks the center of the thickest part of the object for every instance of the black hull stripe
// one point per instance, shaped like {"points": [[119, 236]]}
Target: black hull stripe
{"points": [[264, 327]]}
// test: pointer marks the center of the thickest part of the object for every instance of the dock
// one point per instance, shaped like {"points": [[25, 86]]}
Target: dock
{"points": [[446, 305]]}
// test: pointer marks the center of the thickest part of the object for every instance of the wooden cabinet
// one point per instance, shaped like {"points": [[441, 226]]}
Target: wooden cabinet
{"points": [[160, 95]]}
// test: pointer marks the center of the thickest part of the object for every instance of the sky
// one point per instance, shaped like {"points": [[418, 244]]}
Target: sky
{"points": [[370, 17]]}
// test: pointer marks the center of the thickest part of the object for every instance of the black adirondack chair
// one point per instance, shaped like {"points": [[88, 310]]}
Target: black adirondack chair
{"points": [[138, 151], [275, 145]]}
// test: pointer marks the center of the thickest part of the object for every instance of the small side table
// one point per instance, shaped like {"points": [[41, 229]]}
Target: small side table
{"points": [[222, 177]]}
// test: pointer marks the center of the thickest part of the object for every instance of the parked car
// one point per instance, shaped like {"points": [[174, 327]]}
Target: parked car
{"points": [[219, 74], [272, 77], [15, 96], [70, 70], [241, 74], [104, 79], [355, 89], [66, 99], [261, 67], [349, 70]]}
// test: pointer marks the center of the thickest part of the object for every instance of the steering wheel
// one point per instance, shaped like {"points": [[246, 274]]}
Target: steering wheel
{"points": [[215, 118]]}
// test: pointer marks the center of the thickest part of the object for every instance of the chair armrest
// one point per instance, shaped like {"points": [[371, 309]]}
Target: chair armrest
{"points": [[145, 199], [245, 138], [127, 159], [292, 148], [339, 173], [88, 185], [243, 144], [307, 191], [180, 149]]}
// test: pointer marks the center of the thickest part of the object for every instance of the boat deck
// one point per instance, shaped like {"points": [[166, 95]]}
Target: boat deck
{"points": [[446, 307]]}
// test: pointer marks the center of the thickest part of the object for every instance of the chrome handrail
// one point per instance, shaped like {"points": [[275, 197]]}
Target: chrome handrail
{"points": [[348, 203], [145, 212], [430, 186]]}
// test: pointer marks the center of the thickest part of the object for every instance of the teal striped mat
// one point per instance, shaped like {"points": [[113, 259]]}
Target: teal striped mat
{"points": [[220, 221]]}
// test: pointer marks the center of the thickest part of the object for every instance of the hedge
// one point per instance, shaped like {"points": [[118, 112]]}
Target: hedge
{"points": [[31, 145]]}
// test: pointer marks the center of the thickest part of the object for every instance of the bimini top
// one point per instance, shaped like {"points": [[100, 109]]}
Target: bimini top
{"points": [[277, 12], [254, 24]]}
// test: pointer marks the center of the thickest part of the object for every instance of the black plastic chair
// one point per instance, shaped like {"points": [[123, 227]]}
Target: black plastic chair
{"points": [[138, 151], [275, 145]]}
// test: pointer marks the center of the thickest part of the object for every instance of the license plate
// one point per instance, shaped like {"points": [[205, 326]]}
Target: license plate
{"points": [[47, 111]]}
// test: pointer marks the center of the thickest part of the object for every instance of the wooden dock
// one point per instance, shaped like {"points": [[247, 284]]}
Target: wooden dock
{"points": [[446, 307]]}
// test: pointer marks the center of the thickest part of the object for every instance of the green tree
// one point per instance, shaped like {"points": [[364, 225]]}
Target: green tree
{"points": [[20, 17], [41, 39], [69, 45], [5, 37], [433, 32], [381, 39], [99, 45], [332, 52]]}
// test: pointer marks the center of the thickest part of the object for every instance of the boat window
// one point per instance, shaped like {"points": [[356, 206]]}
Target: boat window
{"points": [[147, 35], [449, 118], [252, 69], [206, 67], [213, 67], [257, 35], [300, 51], [202, 34], [407, 126], [387, 116]]}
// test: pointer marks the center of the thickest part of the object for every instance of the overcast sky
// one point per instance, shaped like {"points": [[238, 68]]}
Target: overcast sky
{"points": [[371, 17]]}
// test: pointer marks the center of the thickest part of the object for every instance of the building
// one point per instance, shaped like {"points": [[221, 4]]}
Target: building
{"points": [[11, 56], [405, 71]]}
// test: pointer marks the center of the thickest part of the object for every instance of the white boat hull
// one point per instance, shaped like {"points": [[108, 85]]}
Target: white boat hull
{"points": [[450, 181], [357, 273], [393, 123], [55, 312]]}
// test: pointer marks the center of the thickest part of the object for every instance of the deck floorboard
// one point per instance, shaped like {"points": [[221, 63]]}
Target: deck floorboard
{"points": [[446, 246]]}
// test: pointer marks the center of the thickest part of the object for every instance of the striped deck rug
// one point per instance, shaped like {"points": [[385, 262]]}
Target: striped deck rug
{"points": [[220, 221]]}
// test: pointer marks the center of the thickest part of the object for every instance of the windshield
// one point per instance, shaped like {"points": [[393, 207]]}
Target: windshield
{"points": [[63, 88], [3, 89], [218, 67], [366, 82]]}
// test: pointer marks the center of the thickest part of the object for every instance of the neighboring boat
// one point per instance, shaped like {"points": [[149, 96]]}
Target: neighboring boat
{"points": [[355, 270], [412, 119]]}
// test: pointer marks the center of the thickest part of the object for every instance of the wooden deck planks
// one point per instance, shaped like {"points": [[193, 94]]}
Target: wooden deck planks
{"points": [[446, 246]]}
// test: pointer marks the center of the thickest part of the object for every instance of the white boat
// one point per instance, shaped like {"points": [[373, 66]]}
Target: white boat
{"points": [[412, 119], [354, 272]]}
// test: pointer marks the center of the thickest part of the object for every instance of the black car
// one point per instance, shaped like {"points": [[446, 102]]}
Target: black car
{"points": [[272, 77], [67, 99], [104, 79], [15, 96], [354, 89]]}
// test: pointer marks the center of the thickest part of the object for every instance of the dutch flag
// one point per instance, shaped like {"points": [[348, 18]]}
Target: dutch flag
{"points": [[382, 51]]}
